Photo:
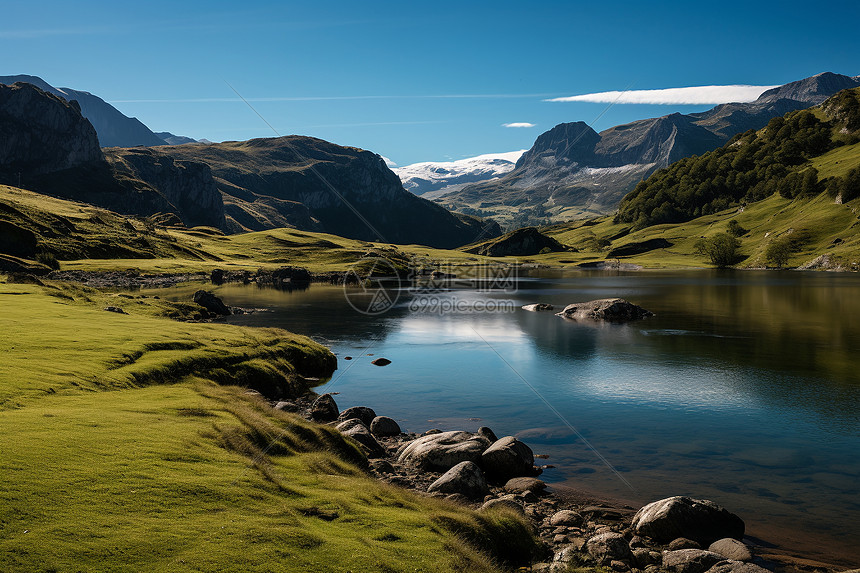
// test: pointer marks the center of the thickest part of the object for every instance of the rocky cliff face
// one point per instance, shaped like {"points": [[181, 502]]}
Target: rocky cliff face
{"points": [[321, 186], [187, 186], [113, 127], [571, 171], [41, 133]]}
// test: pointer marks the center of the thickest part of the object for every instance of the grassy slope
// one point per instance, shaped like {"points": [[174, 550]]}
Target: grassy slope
{"points": [[174, 475], [765, 220]]}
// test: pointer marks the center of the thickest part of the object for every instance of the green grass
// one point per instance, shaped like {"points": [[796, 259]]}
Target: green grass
{"points": [[838, 162], [109, 467]]}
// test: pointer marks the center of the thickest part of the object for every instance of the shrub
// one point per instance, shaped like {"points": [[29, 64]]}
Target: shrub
{"points": [[735, 229], [48, 259], [721, 249]]}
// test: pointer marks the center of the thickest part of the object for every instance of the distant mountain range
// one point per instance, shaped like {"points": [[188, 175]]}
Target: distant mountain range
{"points": [[113, 128], [46, 145], [433, 179], [573, 172]]}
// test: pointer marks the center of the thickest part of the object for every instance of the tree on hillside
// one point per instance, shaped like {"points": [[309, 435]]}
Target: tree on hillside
{"points": [[778, 252], [721, 249], [735, 229]]}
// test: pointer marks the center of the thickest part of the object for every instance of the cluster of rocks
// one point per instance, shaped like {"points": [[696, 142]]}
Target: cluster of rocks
{"points": [[675, 535]]}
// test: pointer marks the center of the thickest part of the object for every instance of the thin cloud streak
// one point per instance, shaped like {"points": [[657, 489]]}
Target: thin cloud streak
{"points": [[696, 95], [519, 124], [333, 98]]}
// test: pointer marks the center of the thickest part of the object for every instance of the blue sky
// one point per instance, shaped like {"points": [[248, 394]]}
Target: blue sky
{"points": [[413, 81]]}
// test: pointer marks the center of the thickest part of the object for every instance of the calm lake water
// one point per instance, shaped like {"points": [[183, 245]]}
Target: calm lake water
{"points": [[744, 388]]}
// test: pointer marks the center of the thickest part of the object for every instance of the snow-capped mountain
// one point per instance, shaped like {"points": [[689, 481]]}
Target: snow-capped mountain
{"points": [[433, 179]]}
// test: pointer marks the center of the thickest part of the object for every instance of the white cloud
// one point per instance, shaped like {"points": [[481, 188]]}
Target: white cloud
{"points": [[518, 124], [679, 96]]}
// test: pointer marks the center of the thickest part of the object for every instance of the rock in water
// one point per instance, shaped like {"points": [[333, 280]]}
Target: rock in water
{"points": [[211, 302], [608, 547], [690, 560], [538, 307], [324, 409], [363, 413], [465, 478], [383, 426], [701, 520], [508, 458], [608, 309], [443, 451], [381, 362]]}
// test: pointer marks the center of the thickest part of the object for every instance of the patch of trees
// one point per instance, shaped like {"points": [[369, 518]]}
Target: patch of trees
{"points": [[721, 249], [846, 187], [751, 167]]}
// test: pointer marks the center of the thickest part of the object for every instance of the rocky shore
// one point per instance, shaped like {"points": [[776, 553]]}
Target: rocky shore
{"points": [[480, 470]]}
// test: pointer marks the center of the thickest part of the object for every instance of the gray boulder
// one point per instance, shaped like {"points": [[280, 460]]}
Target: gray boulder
{"points": [[683, 543], [443, 451], [487, 433], [608, 547], [508, 458], [465, 478], [324, 409], [608, 309], [566, 518], [503, 503], [383, 426], [690, 560], [731, 566], [363, 413], [700, 520], [731, 549], [523, 484], [354, 429]]}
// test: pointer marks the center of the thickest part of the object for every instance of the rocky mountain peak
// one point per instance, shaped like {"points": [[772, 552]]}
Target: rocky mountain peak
{"points": [[567, 142], [813, 90]]}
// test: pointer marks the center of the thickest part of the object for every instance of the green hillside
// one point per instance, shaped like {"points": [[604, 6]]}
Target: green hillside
{"points": [[791, 157]]}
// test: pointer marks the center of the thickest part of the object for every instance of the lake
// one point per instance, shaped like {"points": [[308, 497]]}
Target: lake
{"points": [[743, 388]]}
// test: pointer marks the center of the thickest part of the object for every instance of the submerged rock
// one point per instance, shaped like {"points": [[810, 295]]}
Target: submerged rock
{"points": [[700, 520], [538, 307], [608, 309], [381, 362]]}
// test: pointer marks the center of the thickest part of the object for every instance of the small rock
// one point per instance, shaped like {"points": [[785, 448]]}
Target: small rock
{"points": [[354, 429], [465, 478], [731, 549], [730, 566], [324, 409], [115, 309], [607, 547], [487, 433], [559, 538], [523, 484], [643, 557], [609, 309], [503, 503], [507, 458], [528, 497], [619, 566], [363, 413], [690, 560], [381, 361], [683, 543], [637, 541], [457, 498], [431, 432], [287, 406], [382, 467], [383, 426], [347, 357], [566, 518], [538, 307]]}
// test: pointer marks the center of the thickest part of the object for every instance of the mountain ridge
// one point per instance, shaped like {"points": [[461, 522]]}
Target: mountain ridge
{"points": [[589, 177]]}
